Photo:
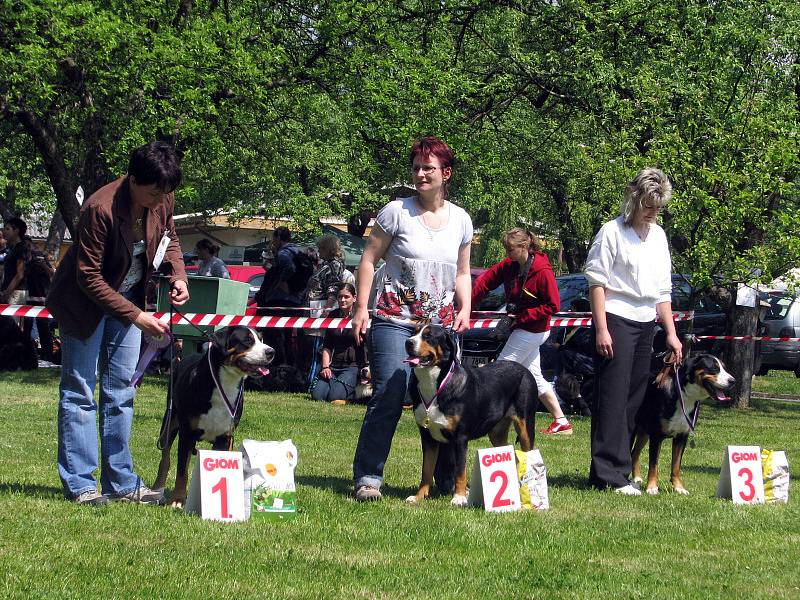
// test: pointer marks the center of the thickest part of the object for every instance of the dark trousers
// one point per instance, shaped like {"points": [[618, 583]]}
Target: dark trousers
{"points": [[620, 386]]}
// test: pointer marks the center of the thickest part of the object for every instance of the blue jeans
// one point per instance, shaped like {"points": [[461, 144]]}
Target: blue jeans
{"points": [[110, 353], [387, 351], [342, 386]]}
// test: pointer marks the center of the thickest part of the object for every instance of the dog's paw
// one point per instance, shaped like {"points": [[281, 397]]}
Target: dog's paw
{"points": [[459, 500], [637, 480], [412, 500], [653, 491], [682, 491], [177, 503]]}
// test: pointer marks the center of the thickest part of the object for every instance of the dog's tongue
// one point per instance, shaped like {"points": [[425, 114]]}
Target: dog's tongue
{"points": [[722, 397], [413, 361], [262, 371]]}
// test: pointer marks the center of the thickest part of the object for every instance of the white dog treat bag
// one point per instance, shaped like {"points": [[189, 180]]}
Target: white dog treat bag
{"points": [[532, 480], [269, 478], [776, 476]]}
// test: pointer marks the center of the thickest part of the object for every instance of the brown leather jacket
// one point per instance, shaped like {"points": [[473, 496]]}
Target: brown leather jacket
{"points": [[85, 284]]}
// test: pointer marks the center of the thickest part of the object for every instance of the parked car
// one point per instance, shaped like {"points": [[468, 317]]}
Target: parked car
{"points": [[782, 319]]}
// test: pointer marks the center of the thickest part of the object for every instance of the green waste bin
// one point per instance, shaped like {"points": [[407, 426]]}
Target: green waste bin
{"points": [[208, 295]]}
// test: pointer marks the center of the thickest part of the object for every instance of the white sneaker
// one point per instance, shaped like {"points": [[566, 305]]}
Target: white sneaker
{"points": [[628, 490]]}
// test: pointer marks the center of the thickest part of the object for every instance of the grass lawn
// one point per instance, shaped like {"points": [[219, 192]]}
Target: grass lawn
{"points": [[589, 545]]}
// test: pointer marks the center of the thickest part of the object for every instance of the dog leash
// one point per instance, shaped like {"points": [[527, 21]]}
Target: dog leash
{"points": [[669, 359], [164, 433], [691, 422], [232, 407]]}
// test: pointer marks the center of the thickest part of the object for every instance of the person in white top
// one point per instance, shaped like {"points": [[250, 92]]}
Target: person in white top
{"points": [[629, 274], [425, 241]]}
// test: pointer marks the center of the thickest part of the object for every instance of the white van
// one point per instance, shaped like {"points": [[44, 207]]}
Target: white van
{"points": [[781, 320]]}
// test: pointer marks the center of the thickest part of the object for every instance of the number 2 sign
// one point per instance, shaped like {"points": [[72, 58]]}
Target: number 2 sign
{"points": [[741, 479], [494, 483], [217, 488]]}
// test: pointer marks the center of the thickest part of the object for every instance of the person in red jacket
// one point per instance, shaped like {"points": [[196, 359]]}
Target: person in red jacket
{"points": [[532, 294]]}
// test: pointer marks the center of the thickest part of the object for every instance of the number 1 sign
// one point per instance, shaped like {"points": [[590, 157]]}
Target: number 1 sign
{"points": [[494, 483], [217, 488], [741, 478]]}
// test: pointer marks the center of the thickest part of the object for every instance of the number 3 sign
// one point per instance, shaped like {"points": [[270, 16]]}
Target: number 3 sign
{"points": [[494, 483], [217, 488], [741, 478]]}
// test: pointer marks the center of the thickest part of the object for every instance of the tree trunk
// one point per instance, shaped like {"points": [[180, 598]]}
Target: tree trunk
{"points": [[55, 166], [55, 235], [743, 321]]}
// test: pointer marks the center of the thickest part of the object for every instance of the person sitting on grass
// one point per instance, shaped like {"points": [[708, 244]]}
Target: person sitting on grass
{"points": [[342, 358]]}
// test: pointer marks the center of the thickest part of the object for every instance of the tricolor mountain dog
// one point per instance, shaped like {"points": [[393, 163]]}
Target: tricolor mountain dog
{"points": [[454, 404], [663, 415], [207, 399]]}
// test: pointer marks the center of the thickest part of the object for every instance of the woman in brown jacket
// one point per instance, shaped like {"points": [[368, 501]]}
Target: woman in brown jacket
{"points": [[125, 232]]}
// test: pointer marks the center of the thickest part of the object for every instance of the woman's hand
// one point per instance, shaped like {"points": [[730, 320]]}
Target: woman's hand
{"points": [[179, 293], [674, 344], [461, 324], [150, 325], [604, 344], [359, 324], [325, 373]]}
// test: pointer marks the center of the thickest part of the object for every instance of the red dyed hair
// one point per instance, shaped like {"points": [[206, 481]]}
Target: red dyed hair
{"points": [[431, 145]]}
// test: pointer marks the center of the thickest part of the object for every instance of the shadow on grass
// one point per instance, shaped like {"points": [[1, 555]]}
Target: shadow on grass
{"points": [[344, 487], [338, 485], [39, 491], [575, 481]]}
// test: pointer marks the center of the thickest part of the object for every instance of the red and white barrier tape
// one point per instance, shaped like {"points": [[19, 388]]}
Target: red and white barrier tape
{"points": [[264, 321], [754, 338]]}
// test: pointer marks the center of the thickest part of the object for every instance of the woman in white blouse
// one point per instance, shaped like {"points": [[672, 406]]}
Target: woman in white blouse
{"points": [[630, 282]]}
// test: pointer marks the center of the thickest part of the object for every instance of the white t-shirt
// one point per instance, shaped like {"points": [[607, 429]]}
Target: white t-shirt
{"points": [[636, 274], [136, 272], [419, 276]]}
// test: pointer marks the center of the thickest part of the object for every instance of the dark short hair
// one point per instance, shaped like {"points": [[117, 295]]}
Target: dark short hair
{"points": [[156, 163], [207, 245], [282, 233], [346, 286], [18, 224]]}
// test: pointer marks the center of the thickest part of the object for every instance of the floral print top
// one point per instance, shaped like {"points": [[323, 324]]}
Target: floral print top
{"points": [[417, 283]]}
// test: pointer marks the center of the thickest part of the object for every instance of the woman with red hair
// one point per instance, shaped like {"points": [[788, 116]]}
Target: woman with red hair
{"points": [[425, 241]]}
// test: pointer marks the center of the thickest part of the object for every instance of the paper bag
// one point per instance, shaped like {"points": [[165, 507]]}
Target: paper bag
{"points": [[776, 476], [269, 478], [532, 480]]}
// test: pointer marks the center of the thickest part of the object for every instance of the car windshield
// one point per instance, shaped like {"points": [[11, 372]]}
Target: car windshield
{"points": [[779, 304]]}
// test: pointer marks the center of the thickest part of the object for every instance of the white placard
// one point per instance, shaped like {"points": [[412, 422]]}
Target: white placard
{"points": [[494, 483], [741, 479], [217, 488]]}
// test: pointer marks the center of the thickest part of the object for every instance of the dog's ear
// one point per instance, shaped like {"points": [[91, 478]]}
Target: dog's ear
{"points": [[221, 338], [452, 344]]}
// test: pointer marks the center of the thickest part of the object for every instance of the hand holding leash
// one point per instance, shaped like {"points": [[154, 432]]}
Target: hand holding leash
{"points": [[150, 325], [179, 293]]}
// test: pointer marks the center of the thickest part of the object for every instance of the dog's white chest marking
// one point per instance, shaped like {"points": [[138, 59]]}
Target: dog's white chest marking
{"points": [[433, 420], [430, 418], [218, 421], [677, 423]]}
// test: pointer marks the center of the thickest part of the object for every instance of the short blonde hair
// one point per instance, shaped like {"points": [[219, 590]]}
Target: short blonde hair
{"points": [[329, 246], [521, 237], [650, 184]]}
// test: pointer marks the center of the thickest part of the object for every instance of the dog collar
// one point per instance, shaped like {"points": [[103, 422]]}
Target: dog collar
{"points": [[232, 407], [445, 381]]}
